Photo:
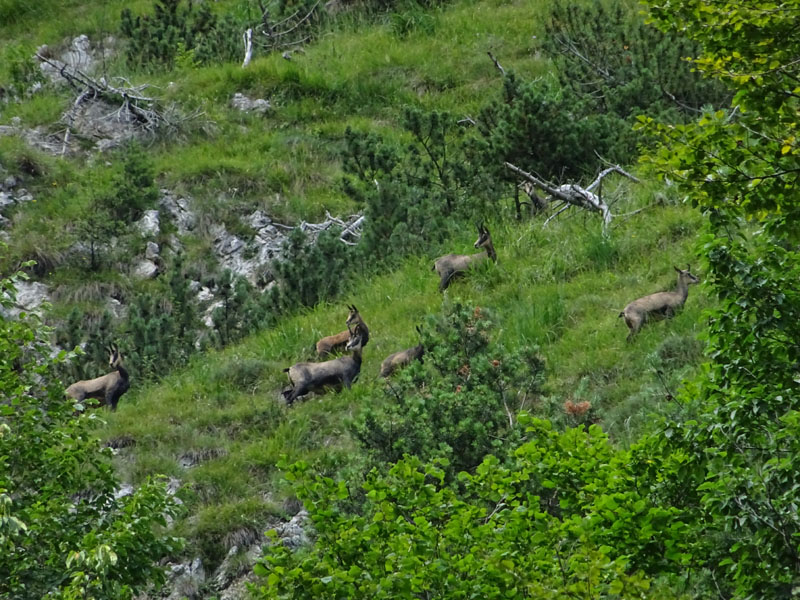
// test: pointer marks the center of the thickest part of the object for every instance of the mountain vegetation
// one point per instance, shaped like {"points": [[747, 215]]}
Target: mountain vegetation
{"points": [[532, 451]]}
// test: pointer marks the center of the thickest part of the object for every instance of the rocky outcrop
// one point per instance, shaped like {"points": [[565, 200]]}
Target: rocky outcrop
{"points": [[179, 210], [30, 295], [243, 103]]}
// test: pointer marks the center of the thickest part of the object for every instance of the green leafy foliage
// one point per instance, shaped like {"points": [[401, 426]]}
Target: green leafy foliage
{"points": [[460, 404], [564, 516], [63, 533], [740, 168]]}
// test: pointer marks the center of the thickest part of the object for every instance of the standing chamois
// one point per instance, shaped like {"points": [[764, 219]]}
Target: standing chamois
{"points": [[108, 388], [451, 265], [401, 359], [308, 377], [658, 305], [334, 343]]}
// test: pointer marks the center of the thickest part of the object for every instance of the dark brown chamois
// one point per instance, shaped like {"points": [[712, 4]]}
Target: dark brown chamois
{"points": [[108, 388], [452, 265], [401, 359], [308, 377], [337, 342], [658, 305]]}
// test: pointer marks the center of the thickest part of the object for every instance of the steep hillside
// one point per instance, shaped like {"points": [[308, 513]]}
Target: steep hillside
{"points": [[214, 420]]}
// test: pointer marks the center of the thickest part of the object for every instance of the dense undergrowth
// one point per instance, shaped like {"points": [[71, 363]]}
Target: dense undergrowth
{"points": [[365, 119], [559, 289]]}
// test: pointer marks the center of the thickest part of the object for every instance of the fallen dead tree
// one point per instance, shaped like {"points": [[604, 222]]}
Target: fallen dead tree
{"points": [[130, 104], [572, 195], [351, 227]]}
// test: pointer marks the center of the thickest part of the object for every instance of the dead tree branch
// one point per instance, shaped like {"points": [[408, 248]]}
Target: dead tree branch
{"points": [[247, 37], [574, 195], [133, 104], [350, 227], [283, 34], [497, 64]]}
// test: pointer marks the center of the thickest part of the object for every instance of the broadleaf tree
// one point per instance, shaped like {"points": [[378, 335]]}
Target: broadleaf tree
{"points": [[740, 166], [64, 532]]}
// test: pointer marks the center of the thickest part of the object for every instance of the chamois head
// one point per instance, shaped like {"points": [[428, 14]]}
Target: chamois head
{"points": [[484, 238], [114, 357], [356, 340], [685, 276], [352, 316]]}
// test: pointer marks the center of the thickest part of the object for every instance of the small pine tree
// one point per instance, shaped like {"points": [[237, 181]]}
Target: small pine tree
{"points": [[133, 188]]}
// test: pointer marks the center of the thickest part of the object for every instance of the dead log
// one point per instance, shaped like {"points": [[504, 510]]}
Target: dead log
{"points": [[572, 194], [134, 106]]}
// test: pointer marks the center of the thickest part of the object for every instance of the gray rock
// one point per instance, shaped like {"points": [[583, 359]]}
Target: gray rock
{"points": [[10, 183], [245, 104], [293, 534], [208, 319], [126, 489], [258, 220], [179, 211], [149, 225], [116, 308], [238, 562], [186, 580], [22, 196], [204, 294], [152, 251], [225, 244], [145, 269], [31, 294], [6, 200]]}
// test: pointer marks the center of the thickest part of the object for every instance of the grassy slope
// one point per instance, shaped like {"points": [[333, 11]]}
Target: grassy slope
{"points": [[559, 288]]}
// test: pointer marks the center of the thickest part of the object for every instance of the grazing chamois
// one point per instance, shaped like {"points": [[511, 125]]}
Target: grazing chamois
{"points": [[334, 343], [308, 377], [108, 388], [451, 265], [658, 305], [401, 359]]}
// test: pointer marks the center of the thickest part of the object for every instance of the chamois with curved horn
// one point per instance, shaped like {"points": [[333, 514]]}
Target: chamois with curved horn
{"points": [[401, 359], [308, 377], [658, 305], [337, 342], [108, 388], [452, 265]]}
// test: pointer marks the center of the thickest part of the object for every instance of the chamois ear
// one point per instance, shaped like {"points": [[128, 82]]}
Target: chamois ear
{"points": [[354, 308]]}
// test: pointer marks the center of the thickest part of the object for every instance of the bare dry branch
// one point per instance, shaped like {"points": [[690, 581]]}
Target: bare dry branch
{"points": [[497, 64], [574, 195]]}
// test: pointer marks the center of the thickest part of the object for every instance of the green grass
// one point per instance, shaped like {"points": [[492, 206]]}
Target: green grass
{"points": [[559, 288], [227, 405]]}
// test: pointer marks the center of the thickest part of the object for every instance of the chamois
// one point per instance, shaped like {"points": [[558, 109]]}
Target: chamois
{"points": [[307, 377], [451, 265], [336, 342], [658, 305], [401, 359], [108, 388]]}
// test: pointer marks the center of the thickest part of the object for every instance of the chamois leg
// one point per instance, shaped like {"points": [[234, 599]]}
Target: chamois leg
{"points": [[634, 324]]}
